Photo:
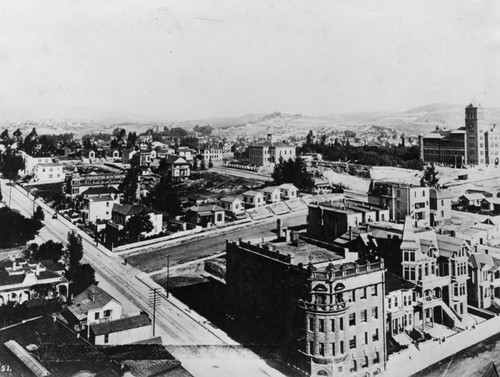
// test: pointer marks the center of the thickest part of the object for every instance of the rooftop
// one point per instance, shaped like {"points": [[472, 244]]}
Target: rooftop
{"points": [[395, 282], [128, 209], [122, 324], [100, 191], [91, 298]]}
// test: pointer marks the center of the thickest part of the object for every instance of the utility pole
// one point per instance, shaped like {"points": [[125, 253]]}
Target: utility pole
{"points": [[168, 275], [154, 300]]}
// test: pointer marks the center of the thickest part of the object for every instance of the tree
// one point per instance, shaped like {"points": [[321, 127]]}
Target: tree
{"points": [[5, 135], [114, 144], [83, 277], [210, 163], [293, 171], [138, 224], [73, 254], [48, 250], [129, 185], [131, 139], [31, 142], [164, 198], [39, 214], [203, 130], [18, 135], [309, 138], [195, 163], [202, 164], [16, 229], [87, 144], [11, 164], [429, 179]]}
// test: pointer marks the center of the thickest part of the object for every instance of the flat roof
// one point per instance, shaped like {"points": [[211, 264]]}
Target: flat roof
{"points": [[306, 252]]}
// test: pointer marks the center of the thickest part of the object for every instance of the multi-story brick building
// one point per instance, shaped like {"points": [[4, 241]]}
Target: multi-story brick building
{"points": [[76, 183], [475, 144], [321, 310]]}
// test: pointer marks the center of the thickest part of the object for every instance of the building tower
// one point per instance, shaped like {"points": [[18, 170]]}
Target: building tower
{"points": [[475, 143]]}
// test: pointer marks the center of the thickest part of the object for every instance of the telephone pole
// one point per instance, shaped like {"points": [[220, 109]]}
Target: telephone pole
{"points": [[154, 301]]}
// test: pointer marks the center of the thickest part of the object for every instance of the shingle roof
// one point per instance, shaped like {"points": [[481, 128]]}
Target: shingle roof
{"points": [[271, 188], [100, 191], [481, 260], [128, 209], [123, 324], [252, 193], [91, 298], [206, 208], [395, 282], [229, 199]]}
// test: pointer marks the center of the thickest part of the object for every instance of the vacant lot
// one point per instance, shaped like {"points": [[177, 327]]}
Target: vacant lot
{"points": [[218, 185]]}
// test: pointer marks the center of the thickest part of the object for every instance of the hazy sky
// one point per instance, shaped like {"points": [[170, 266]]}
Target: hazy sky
{"points": [[190, 59]]}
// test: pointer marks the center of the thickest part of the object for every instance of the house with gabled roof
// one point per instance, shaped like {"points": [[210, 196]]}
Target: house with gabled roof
{"points": [[484, 283], [272, 194], [125, 330], [232, 204], [288, 191], [205, 215], [253, 199], [94, 305]]}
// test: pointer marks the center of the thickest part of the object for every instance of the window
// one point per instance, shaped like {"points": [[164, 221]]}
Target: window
{"points": [[321, 325], [375, 312], [322, 349], [376, 359], [333, 349], [366, 338], [352, 319], [341, 346], [363, 292], [375, 335], [107, 313], [311, 347], [96, 315], [374, 290], [363, 315], [106, 338], [341, 323], [352, 342], [311, 324], [332, 325]]}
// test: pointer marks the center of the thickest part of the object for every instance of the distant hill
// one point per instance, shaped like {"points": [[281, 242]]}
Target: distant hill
{"points": [[413, 121]]}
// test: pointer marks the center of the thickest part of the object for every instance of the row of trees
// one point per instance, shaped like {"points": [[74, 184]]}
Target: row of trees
{"points": [[293, 171], [16, 229], [406, 157], [79, 274]]}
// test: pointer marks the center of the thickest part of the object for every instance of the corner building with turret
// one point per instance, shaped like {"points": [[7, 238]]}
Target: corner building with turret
{"points": [[317, 308]]}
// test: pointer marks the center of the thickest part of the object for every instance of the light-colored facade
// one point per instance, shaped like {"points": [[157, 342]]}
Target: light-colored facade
{"points": [[484, 284], [76, 183], [121, 331], [48, 173], [440, 206], [253, 199], [288, 191], [268, 154], [402, 199], [212, 154], [98, 208], [272, 194], [31, 162], [232, 204]]}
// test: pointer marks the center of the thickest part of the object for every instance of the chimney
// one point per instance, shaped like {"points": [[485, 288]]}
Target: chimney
{"points": [[37, 270], [93, 297], [288, 233]]}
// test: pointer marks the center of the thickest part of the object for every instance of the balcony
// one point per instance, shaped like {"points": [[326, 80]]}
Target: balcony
{"points": [[339, 307]]}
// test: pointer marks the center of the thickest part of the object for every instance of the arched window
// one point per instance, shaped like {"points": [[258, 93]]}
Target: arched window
{"points": [[365, 362]]}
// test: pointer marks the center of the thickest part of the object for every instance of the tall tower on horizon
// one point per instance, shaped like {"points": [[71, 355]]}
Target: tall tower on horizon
{"points": [[475, 135]]}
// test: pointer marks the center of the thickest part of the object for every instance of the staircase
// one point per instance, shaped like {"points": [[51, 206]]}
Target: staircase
{"points": [[457, 321]]}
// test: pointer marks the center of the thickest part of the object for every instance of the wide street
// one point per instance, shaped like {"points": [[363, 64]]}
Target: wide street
{"points": [[174, 324], [202, 247]]}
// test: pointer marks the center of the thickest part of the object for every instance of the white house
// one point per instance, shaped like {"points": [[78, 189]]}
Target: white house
{"points": [[214, 154], [48, 173], [30, 162], [121, 331], [93, 306], [253, 198], [288, 191], [232, 204], [272, 194], [98, 208]]}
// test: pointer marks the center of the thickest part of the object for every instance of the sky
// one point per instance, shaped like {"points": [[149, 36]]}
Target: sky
{"points": [[192, 59]]}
